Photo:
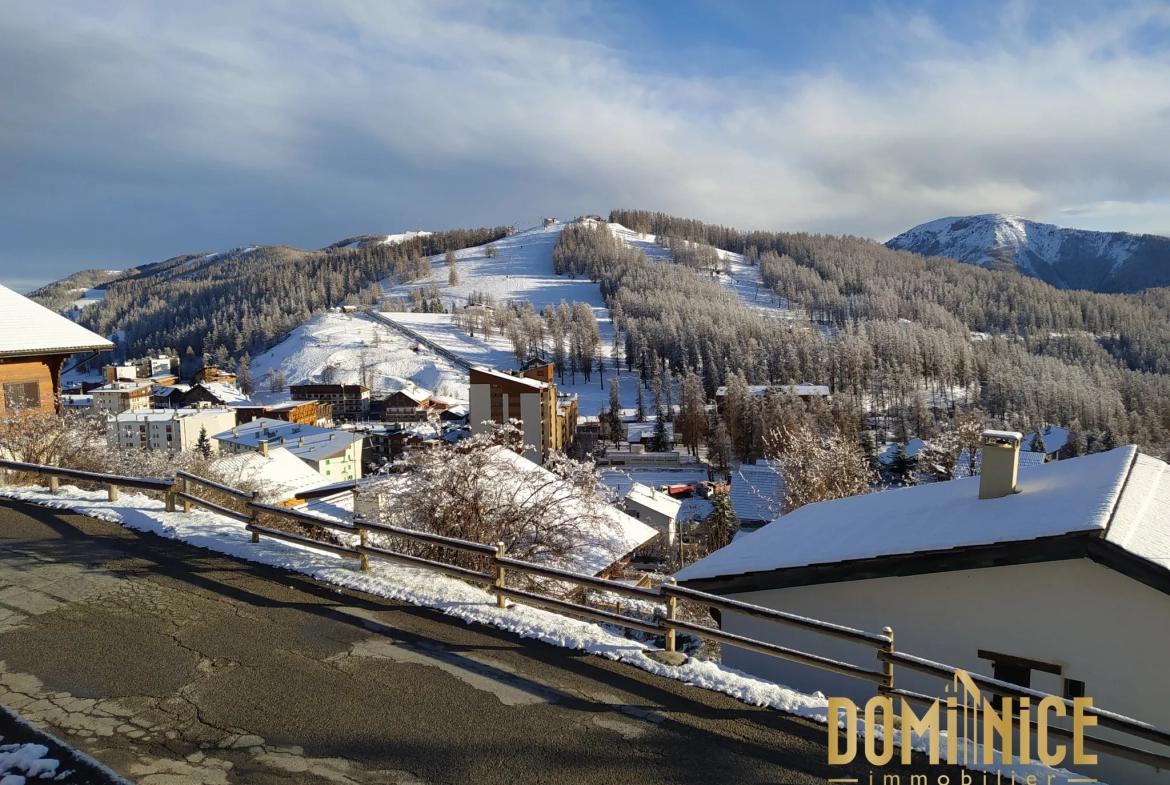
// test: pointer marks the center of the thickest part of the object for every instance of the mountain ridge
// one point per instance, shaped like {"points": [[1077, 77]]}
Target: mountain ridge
{"points": [[1068, 258]]}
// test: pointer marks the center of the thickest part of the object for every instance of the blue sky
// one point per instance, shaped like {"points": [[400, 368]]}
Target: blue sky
{"points": [[137, 131]]}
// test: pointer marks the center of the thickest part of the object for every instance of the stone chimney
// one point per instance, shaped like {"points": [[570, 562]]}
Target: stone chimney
{"points": [[264, 447], [998, 464]]}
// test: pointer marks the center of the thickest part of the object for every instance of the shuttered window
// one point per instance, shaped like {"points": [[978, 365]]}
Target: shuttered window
{"points": [[22, 395]]}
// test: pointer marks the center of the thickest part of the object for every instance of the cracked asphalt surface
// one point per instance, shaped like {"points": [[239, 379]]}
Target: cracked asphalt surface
{"points": [[174, 665]]}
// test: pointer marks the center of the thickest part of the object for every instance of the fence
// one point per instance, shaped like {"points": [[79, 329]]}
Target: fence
{"points": [[183, 489]]}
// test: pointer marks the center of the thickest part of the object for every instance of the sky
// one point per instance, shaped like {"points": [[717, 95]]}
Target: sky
{"points": [[131, 132]]}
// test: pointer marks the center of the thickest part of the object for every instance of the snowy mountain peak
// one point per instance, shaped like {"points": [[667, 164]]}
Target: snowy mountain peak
{"points": [[1066, 258]]}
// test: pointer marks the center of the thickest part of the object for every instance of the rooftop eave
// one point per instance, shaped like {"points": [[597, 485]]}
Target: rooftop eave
{"points": [[56, 350]]}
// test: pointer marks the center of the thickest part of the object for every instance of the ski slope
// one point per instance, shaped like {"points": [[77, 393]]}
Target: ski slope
{"points": [[344, 340]]}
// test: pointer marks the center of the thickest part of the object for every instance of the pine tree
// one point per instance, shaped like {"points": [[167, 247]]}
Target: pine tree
{"points": [[1038, 444], [722, 523], [203, 444], [244, 378], [869, 448], [903, 466], [641, 415], [661, 441], [613, 417], [1108, 438]]}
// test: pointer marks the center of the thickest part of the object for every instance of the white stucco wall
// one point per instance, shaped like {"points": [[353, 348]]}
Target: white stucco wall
{"points": [[1101, 627], [480, 407]]}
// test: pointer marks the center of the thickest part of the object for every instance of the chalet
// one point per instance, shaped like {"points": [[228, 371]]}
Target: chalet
{"points": [[335, 455], [1055, 577], [1052, 441], [655, 509], [804, 390], [211, 374], [215, 394], [349, 401], [407, 405], [173, 430], [168, 396], [34, 345], [118, 397]]}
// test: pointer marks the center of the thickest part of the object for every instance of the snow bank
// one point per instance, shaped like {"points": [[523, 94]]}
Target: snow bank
{"points": [[427, 589]]}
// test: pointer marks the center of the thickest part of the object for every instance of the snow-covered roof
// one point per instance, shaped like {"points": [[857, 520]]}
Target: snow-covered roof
{"points": [[121, 387], [963, 467], [802, 389], [1054, 439], [756, 492], [164, 415], [307, 442], [610, 544], [29, 328], [890, 451], [280, 474], [662, 503], [534, 383], [416, 394], [1063, 497], [226, 393]]}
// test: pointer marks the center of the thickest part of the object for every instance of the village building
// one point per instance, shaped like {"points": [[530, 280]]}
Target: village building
{"points": [[215, 394], [335, 455], [300, 412], [410, 404], [174, 430], [548, 421], [168, 396], [118, 397], [804, 390], [349, 401], [278, 474], [34, 345], [656, 509], [157, 368], [1054, 577], [757, 494], [210, 374]]}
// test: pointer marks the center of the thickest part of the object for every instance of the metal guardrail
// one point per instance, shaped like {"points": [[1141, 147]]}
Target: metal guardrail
{"points": [[669, 593]]}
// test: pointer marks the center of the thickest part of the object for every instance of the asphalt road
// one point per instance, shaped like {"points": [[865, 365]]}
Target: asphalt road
{"points": [[174, 665]]}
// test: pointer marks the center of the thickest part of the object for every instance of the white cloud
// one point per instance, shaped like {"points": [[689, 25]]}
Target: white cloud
{"points": [[455, 113]]}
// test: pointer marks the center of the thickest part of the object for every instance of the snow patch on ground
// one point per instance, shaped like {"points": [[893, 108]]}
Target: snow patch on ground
{"points": [[428, 589], [21, 762]]}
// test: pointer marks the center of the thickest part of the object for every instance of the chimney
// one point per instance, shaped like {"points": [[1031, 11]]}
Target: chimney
{"points": [[301, 442], [998, 463], [264, 448]]}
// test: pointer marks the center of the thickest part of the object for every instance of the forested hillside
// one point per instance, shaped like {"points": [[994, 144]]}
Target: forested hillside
{"points": [[241, 301], [894, 329]]}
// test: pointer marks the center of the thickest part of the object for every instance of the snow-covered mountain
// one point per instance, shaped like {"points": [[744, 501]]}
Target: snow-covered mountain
{"points": [[1067, 258]]}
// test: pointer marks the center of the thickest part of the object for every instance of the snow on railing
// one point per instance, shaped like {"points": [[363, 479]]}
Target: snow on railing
{"points": [[184, 486]]}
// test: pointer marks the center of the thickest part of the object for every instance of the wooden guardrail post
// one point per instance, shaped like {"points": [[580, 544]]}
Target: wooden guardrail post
{"points": [[112, 492], [169, 498], [887, 665], [364, 538], [671, 615], [54, 483], [186, 490], [253, 516], [501, 600]]}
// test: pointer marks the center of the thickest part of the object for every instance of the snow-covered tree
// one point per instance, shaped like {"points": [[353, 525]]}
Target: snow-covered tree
{"points": [[203, 443], [817, 468]]}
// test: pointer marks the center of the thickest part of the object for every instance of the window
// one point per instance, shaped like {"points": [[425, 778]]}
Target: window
{"points": [[1015, 670], [1074, 688], [22, 395]]}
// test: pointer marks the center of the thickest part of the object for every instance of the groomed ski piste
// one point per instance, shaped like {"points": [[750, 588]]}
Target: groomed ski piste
{"points": [[522, 271], [453, 598]]}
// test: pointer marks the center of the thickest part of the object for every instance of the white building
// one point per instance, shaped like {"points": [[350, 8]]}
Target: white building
{"points": [[1061, 585], [335, 455], [118, 397], [167, 429], [655, 509]]}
